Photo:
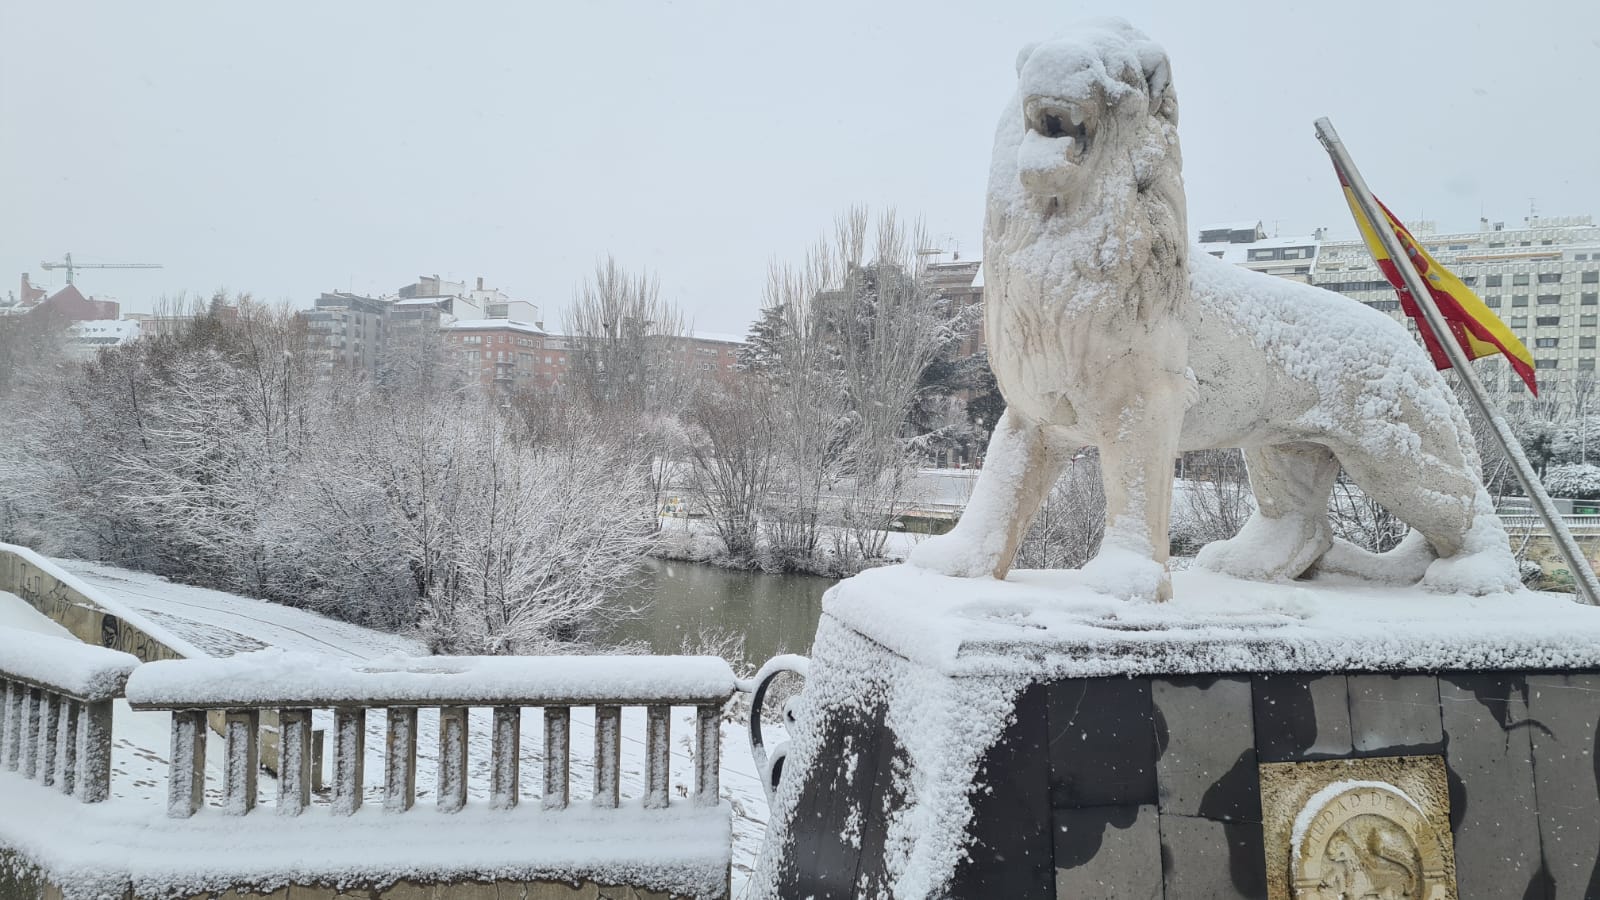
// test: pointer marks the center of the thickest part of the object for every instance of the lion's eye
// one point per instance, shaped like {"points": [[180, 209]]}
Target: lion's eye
{"points": [[1053, 126]]}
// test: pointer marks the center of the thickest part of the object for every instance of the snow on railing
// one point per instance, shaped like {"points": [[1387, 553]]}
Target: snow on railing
{"points": [[56, 722], [241, 686]]}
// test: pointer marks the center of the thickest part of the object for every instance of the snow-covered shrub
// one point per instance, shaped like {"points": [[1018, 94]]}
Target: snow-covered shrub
{"points": [[1579, 481]]}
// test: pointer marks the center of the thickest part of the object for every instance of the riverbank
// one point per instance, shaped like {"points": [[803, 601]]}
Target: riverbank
{"points": [[696, 541]]}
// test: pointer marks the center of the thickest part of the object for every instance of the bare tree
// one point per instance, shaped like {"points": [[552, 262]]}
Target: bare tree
{"points": [[1070, 525], [847, 340], [731, 435], [1213, 499], [630, 365]]}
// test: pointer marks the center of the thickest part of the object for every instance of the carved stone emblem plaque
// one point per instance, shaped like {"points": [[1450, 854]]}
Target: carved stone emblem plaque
{"points": [[1358, 829]]}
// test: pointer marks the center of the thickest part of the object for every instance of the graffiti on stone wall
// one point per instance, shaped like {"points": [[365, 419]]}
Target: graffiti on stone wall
{"points": [[81, 616]]}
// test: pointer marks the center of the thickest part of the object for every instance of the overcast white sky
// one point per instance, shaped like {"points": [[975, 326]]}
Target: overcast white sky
{"points": [[288, 148]]}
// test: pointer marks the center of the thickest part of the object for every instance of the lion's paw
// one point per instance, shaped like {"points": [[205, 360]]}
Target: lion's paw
{"points": [[1127, 574], [955, 555], [1492, 571], [1267, 549]]}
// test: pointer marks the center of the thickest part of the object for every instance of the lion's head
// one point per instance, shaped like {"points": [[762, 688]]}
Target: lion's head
{"points": [[1092, 105]]}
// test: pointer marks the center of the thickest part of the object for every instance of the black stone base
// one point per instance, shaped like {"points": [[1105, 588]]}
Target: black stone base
{"points": [[1148, 786]]}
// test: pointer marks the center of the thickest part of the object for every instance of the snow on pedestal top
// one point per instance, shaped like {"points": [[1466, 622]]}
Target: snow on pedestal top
{"points": [[1050, 625]]}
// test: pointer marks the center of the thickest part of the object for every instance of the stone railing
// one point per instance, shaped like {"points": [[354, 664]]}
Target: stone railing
{"points": [[1584, 524], [56, 722], [241, 688]]}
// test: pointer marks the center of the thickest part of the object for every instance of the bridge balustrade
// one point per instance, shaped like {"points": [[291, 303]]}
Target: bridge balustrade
{"points": [[241, 688], [55, 724]]}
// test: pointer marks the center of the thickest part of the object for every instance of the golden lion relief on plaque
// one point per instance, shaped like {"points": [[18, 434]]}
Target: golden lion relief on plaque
{"points": [[1366, 829]]}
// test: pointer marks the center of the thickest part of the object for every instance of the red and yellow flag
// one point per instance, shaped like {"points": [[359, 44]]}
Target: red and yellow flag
{"points": [[1476, 328]]}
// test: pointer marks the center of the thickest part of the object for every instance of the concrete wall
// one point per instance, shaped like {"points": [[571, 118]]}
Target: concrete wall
{"points": [[75, 611]]}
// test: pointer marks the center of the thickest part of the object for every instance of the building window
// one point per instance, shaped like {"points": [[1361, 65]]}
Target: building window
{"points": [[1587, 320], [1586, 342], [1517, 280], [1519, 299], [1547, 320], [1586, 365], [1545, 364], [1590, 299], [1549, 342], [1519, 321], [1492, 301], [1492, 280], [1589, 277], [1549, 277], [1548, 299]]}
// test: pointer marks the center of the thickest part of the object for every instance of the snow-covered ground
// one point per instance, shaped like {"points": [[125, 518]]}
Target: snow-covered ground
{"points": [[223, 624]]}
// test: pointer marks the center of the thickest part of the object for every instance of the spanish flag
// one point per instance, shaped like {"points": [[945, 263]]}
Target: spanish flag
{"points": [[1476, 328]]}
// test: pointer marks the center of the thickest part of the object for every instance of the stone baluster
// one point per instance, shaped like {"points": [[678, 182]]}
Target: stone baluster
{"points": [[400, 760], [241, 729], [708, 755], [29, 749], [607, 753], [94, 752], [49, 737], [505, 762], [452, 789], [67, 746], [557, 748], [658, 756], [186, 786], [294, 761], [10, 743], [349, 759]]}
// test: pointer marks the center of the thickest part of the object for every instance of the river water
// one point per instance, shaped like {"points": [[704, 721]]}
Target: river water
{"points": [[677, 601]]}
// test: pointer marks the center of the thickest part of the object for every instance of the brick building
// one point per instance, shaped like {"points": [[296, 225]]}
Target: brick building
{"points": [[504, 354]]}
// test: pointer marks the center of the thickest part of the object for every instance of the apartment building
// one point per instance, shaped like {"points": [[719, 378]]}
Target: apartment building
{"points": [[1542, 278], [350, 330]]}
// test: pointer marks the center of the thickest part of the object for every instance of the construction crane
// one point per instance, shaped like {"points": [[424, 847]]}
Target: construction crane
{"points": [[69, 265]]}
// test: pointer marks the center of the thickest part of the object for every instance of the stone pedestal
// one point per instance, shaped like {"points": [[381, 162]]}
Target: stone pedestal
{"points": [[1029, 739]]}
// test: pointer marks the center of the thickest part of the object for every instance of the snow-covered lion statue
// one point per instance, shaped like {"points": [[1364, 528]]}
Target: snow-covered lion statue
{"points": [[1105, 329]]}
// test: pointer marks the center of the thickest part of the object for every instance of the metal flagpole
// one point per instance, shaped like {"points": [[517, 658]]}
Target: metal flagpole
{"points": [[1582, 575]]}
